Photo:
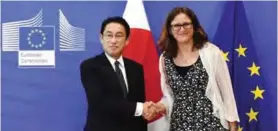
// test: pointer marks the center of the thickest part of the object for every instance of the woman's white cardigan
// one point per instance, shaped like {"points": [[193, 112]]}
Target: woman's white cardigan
{"points": [[219, 88]]}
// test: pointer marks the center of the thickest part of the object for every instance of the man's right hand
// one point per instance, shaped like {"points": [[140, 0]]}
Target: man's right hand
{"points": [[149, 111]]}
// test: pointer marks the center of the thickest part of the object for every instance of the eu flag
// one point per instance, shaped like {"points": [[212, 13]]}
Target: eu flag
{"points": [[256, 101], [36, 38]]}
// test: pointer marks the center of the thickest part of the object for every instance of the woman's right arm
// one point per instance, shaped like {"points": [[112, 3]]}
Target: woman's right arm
{"points": [[167, 99]]}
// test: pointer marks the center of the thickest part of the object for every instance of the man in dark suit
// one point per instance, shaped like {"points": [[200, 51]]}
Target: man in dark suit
{"points": [[114, 85]]}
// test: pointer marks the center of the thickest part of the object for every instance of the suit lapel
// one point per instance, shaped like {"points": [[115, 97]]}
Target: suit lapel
{"points": [[104, 61], [107, 69]]}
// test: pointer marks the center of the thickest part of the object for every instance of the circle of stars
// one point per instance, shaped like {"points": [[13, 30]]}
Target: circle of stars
{"points": [[254, 70], [41, 44]]}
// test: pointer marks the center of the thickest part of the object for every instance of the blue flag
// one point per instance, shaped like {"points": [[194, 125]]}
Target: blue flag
{"points": [[36, 38], [256, 100]]}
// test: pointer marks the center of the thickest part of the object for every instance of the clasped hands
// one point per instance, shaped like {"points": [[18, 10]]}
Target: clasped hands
{"points": [[151, 110]]}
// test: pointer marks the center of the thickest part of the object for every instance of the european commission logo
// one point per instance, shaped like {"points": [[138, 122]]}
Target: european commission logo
{"points": [[36, 46], [35, 42]]}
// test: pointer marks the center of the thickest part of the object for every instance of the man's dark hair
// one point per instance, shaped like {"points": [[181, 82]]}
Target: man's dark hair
{"points": [[116, 19]]}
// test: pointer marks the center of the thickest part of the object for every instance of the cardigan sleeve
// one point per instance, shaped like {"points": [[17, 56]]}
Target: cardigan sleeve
{"points": [[225, 86], [167, 98]]}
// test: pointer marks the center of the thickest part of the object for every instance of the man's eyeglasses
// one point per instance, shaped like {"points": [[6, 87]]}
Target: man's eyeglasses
{"points": [[110, 36], [177, 27]]}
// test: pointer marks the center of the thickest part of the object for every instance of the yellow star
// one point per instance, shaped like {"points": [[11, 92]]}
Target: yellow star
{"points": [[258, 93], [239, 128], [254, 69], [241, 51], [252, 115], [225, 56]]}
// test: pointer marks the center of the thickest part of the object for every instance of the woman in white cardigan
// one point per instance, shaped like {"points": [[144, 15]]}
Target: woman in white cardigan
{"points": [[196, 85]]}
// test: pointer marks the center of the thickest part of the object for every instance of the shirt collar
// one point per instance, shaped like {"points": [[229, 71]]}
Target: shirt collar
{"points": [[112, 60]]}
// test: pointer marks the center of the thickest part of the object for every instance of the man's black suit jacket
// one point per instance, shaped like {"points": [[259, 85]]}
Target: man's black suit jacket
{"points": [[108, 110]]}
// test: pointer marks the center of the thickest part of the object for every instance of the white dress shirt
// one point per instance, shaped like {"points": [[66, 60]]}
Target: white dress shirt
{"points": [[139, 106], [219, 88]]}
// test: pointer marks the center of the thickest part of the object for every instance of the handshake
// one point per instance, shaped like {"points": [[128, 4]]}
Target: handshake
{"points": [[151, 110]]}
